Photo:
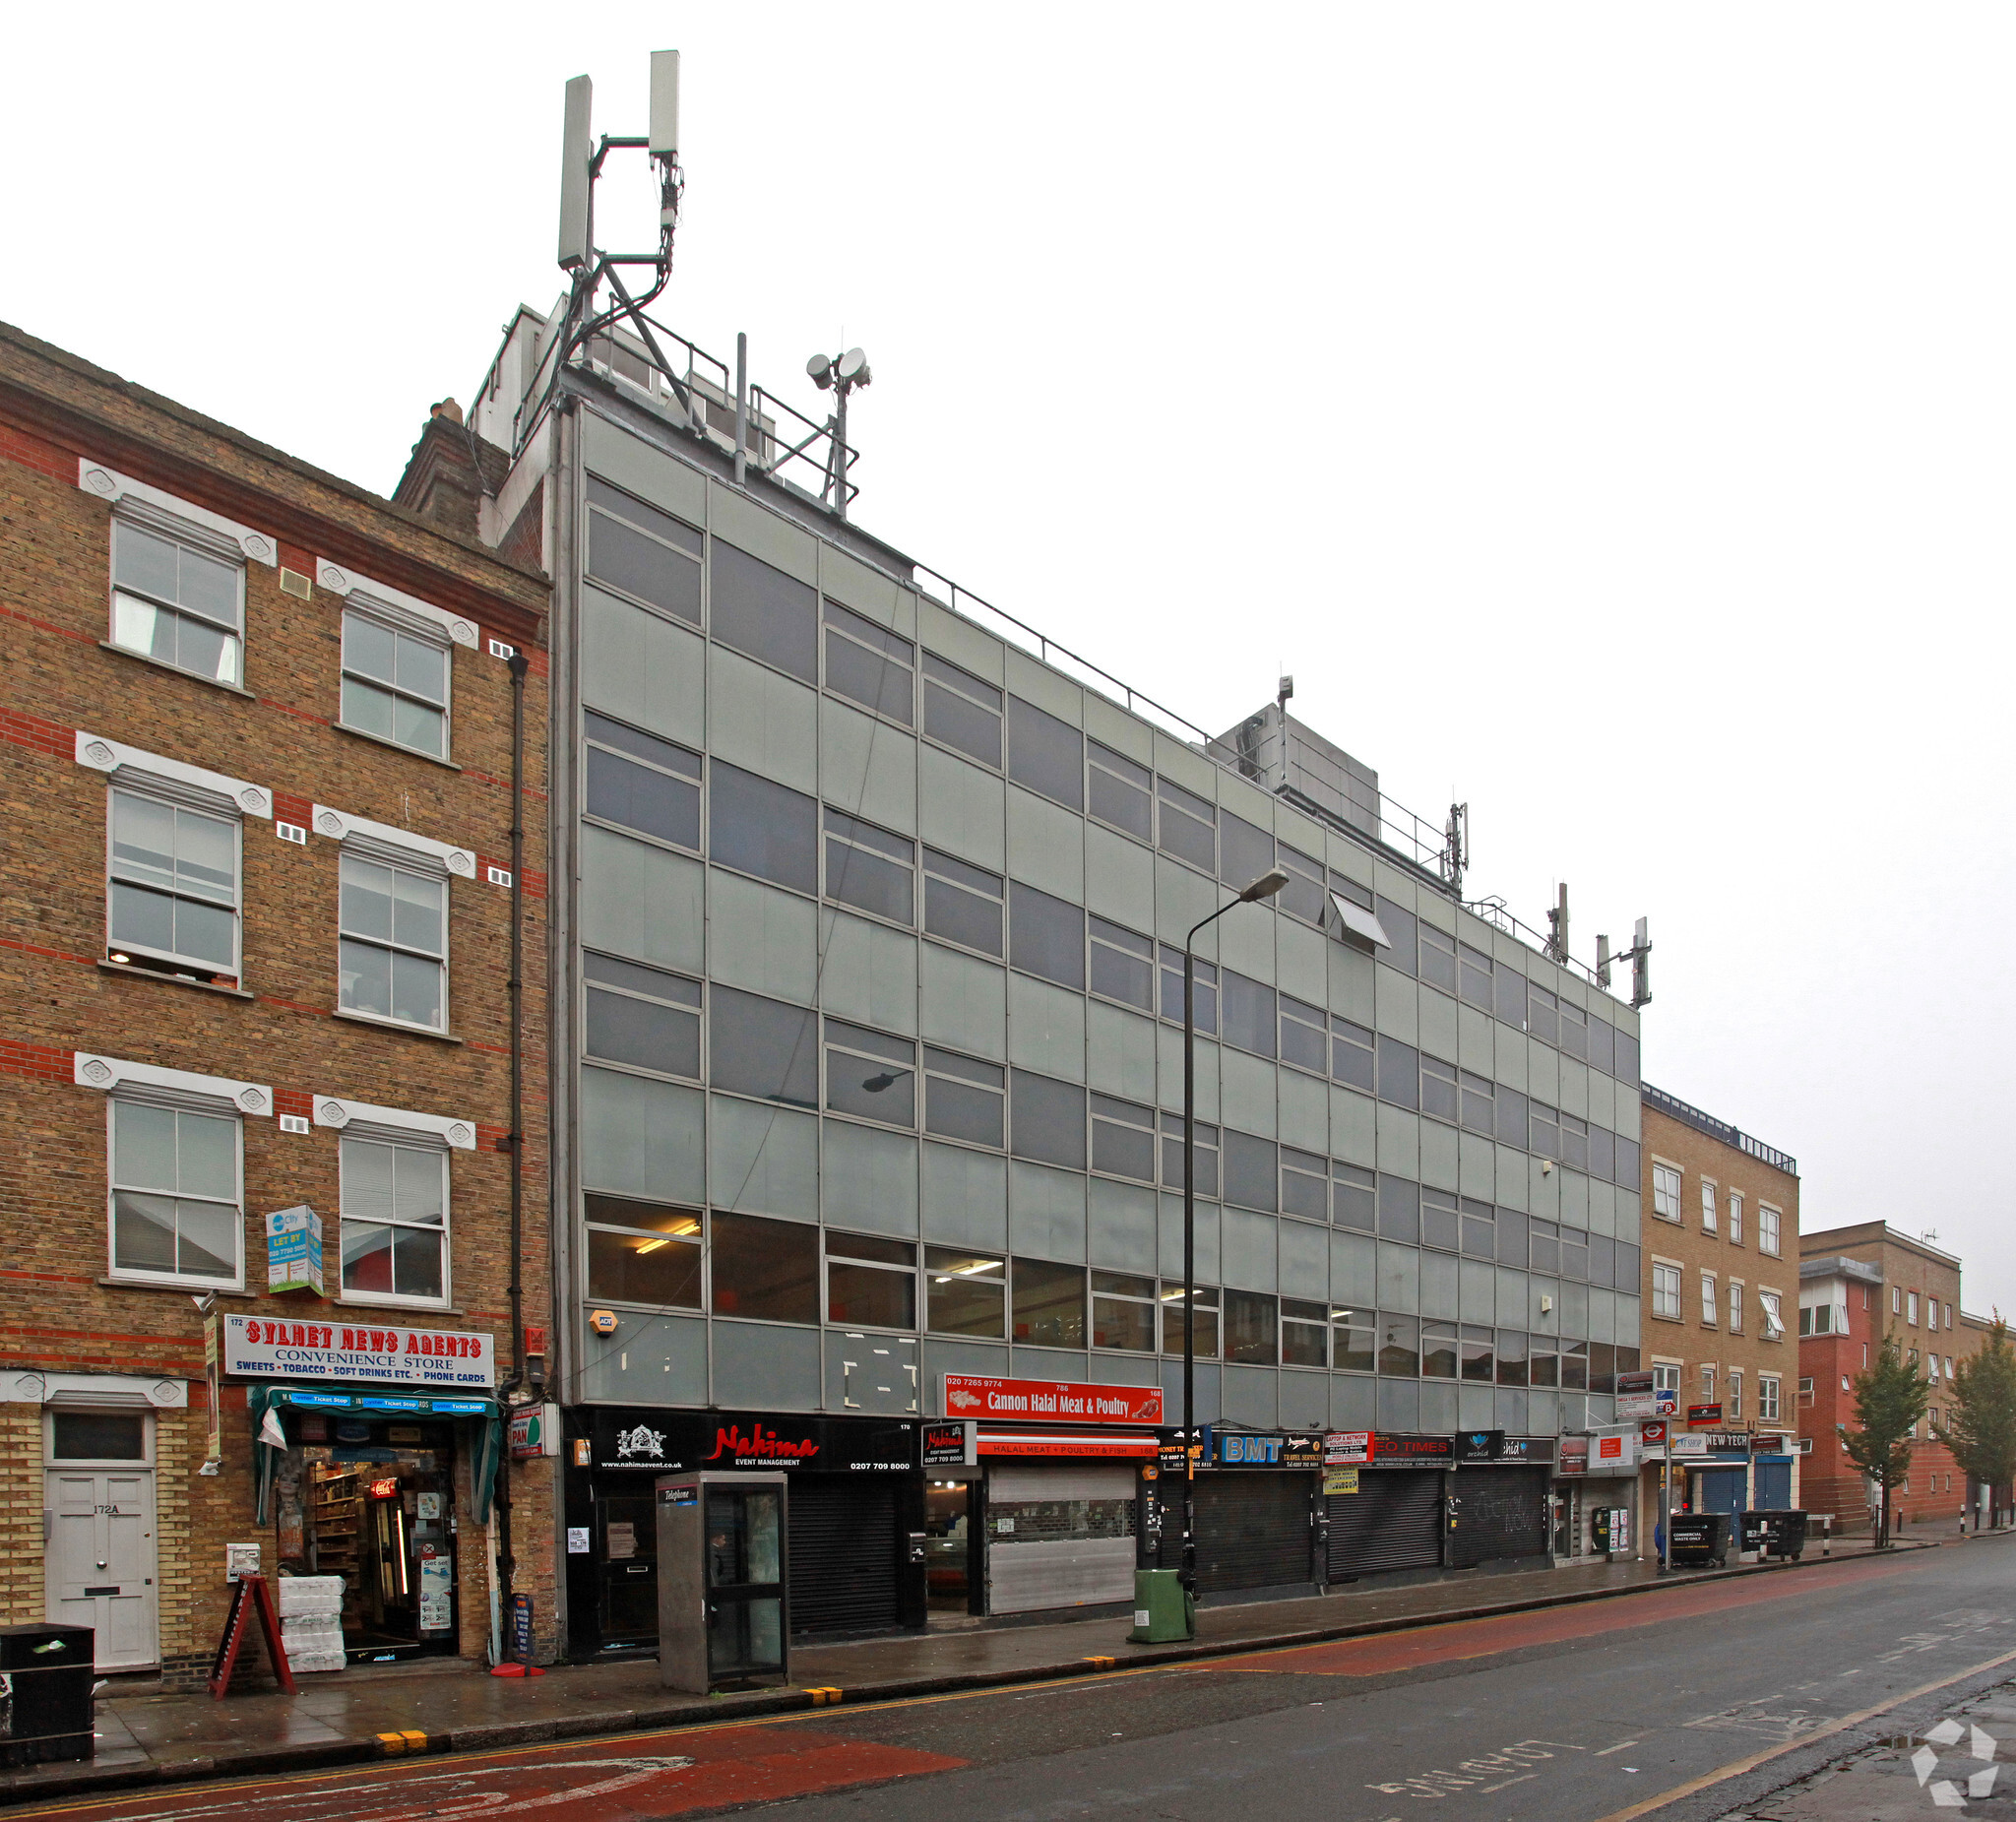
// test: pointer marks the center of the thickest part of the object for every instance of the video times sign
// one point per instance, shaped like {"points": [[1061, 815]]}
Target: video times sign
{"points": [[394, 1354], [1047, 1400]]}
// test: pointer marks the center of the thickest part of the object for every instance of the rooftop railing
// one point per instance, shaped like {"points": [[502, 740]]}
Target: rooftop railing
{"points": [[1692, 1115]]}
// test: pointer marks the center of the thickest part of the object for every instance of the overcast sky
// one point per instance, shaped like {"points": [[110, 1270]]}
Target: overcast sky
{"points": [[1603, 411]]}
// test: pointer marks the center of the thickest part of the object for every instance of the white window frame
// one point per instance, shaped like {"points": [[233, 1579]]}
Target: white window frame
{"points": [[1735, 1217], [404, 851], [181, 1090], [1666, 1376], [1708, 1382], [1735, 1407], [1706, 1205], [1666, 1278], [1710, 1300], [1910, 1309], [1666, 1195], [1771, 1306], [1736, 1306], [1769, 1397], [405, 1139], [141, 787], [1896, 1299], [165, 515], [406, 613], [1770, 1231]]}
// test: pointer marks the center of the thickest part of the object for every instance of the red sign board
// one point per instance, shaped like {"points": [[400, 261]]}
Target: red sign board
{"points": [[1610, 1448], [1698, 1415], [1059, 1443], [1652, 1432], [1049, 1400]]}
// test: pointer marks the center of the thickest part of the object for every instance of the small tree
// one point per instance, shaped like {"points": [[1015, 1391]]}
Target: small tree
{"points": [[1982, 1432], [1889, 1399]]}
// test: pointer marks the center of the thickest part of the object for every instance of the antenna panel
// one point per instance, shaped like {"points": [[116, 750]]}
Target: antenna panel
{"points": [[665, 104], [577, 154]]}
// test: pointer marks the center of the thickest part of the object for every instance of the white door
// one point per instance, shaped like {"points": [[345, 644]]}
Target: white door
{"points": [[99, 1562]]}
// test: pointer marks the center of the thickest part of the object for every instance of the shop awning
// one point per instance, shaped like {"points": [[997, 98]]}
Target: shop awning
{"points": [[1078, 1443], [372, 1406]]}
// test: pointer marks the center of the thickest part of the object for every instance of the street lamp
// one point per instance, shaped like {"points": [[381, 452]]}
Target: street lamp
{"points": [[1265, 887]]}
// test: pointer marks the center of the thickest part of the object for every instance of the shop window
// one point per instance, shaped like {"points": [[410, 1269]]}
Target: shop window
{"points": [[1048, 1119], [763, 1269], [1205, 1149], [1045, 754], [1305, 1332], [1355, 1193], [1441, 1224], [639, 552], [643, 1252], [1351, 1056], [762, 1047], [1479, 1230], [178, 605], [1304, 1039], [966, 1292], [764, 614], [1123, 792], [762, 828], [962, 904], [395, 684], [1046, 936], [636, 782], [1187, 826], [871, 1076], [1304, 1184], [1122, 966], [1253, 1171], [1250, 1329], [961, 712], [870, 868], [172, 885], [177, 1212], [1060, 1520], [1123, 1312], [641, 1017], [869, 664], [870, 1282], [1400, 1347], [1478, 1354], [395, 1220], [1049, 1305], [1122, 1138], [1203, 1321], [1354, 1340], [1244, 853], [1203, 990], [965, 1099]]}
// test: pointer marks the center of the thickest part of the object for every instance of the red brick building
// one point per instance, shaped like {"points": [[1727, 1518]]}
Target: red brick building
{"points": [[1856, 1285], [257, 797]]}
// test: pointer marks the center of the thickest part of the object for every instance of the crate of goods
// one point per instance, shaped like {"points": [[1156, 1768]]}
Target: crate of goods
{"points": [[306, 1595]]}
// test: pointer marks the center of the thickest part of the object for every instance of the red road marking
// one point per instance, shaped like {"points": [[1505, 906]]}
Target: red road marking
{"points": [[612, 1781], [1480, 1638]]}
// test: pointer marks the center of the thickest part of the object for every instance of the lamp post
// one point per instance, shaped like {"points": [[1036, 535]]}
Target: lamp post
{"points": [[1265, 887]]}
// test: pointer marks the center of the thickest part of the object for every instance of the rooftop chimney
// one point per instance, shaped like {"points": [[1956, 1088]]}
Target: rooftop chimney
{"points": [[447, 408]]}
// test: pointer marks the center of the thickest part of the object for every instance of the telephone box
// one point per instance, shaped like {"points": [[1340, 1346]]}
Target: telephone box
{"points": [[723, 1565]]}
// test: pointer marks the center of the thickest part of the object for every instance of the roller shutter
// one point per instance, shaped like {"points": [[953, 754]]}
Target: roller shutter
{"points": [[1252, 1531], [1501, 1513], [845, 1553], [1393, 1521]]}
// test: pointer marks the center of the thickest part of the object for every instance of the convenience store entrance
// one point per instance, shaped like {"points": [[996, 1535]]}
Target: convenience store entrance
{"points": [[380, 1512]]}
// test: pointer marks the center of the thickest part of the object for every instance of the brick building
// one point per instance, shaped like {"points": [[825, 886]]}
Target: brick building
{"points": [[1721, 1252], [258, 765], [1856, 1285]]}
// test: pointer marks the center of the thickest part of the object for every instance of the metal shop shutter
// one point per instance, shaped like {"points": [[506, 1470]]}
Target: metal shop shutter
{"points": [[1500, 1512], [844, 1553], [1394, 1521], [1252, 1531]]}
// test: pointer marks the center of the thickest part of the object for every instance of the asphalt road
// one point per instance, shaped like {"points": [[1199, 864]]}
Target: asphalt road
{"points": [[1694, 1699]]}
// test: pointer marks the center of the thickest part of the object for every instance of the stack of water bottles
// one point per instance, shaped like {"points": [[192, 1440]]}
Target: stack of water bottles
{"points": [[311, 1621]]}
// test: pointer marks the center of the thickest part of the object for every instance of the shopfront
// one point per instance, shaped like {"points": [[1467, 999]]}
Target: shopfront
{"points": [[854, 1499], [1499, 1510], [375, 1456], [1060, 1497], [1597, 1473], [1259, 1511], [1718, 1480], [1385, 1501]]}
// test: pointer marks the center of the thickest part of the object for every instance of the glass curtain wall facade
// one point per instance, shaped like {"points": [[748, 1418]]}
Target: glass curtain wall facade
{"points": [[875, 1029]]}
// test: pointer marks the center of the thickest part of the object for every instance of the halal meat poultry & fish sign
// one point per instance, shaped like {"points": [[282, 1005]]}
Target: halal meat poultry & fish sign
{"points": [[378, 1354], [1047, 1401]]}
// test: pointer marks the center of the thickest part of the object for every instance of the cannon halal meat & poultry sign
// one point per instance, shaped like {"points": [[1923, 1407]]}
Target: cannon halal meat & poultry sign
{"points": [[380, 1353], [1047, 1401]]}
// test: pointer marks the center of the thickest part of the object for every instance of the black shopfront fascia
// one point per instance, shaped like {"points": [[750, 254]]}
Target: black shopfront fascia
{"points": [[854, 1499]]}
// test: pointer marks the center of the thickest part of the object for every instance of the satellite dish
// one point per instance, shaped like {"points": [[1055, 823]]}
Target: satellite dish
{"points": [[820, 367], [853, 367]]}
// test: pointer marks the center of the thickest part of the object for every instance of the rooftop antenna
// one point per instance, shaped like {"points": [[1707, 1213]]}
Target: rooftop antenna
{"points": [[1639, 955], [838, 375], [1558, 927], [1286, 690], [581, 164], [1456, 846]]}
